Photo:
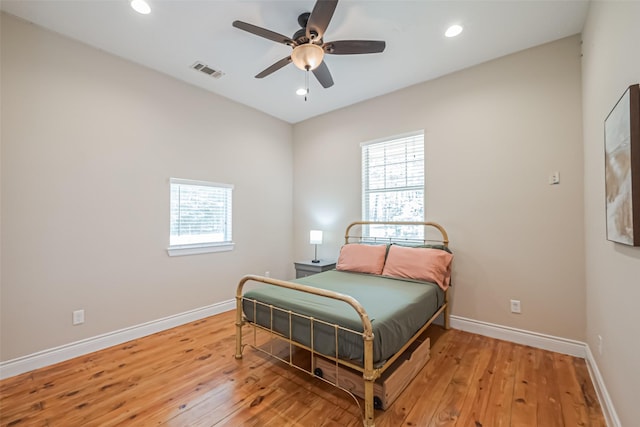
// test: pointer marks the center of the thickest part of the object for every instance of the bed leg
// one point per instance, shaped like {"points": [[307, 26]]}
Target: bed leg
{"points": [[447, 310], [447, 324], [368, 404], [369, 379], [238, 328]]}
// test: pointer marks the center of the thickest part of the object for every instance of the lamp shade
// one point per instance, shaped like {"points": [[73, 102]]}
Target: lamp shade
{"points": [[315, 237], [307, 56]]}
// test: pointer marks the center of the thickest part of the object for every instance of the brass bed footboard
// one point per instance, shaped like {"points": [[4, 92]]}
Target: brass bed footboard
{"points": [[369, 373]]}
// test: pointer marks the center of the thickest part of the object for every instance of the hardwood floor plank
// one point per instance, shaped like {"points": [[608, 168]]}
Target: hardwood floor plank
{"points": [[549, 405], [441, 345], [20, 403], [477, 399], [304, 380], [574, 410], [424, 409], [324, 413], [104, 394], [589, 393], [498, 410], [296, 406], [188, 376], [525, 391], [245, 385], [450, 405], [260, 411]]}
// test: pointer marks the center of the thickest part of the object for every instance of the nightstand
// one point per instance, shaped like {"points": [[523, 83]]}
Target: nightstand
{"points": [[308, 268]]}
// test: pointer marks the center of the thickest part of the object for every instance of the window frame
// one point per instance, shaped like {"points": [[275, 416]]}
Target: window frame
{"points": [[366, 189], [203, 247]]}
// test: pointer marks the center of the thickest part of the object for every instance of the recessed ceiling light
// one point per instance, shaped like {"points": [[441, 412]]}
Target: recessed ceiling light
{"points": [[453, 31], [301, 91], [141, 6]]}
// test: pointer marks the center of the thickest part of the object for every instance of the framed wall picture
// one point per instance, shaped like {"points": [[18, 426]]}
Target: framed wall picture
{"points": [[622, 169]]}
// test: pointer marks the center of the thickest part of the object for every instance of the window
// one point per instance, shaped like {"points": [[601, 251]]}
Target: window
{"points": [[200, 217], [393, 183]]}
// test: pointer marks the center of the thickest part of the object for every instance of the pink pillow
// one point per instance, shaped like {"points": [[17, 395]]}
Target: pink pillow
{"points": [[426, 264], [362, 258]]}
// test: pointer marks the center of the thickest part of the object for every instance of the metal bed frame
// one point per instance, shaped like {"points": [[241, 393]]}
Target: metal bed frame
{"points": [[369, 373]]}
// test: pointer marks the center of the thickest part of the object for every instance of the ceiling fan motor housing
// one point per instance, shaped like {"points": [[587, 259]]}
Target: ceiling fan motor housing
{"points": [[300, 36]]}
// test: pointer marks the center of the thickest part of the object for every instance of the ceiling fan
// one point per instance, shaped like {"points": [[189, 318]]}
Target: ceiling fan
{"points": [[308, 45]]}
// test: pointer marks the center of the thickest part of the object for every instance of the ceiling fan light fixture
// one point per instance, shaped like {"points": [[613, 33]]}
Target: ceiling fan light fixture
{"points": [[307, 56], [301, 91]]}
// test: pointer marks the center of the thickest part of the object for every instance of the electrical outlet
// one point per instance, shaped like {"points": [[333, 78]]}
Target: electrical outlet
{"points": [[267, 274], [78, 317], [554, 178], [515, 306], [600, 345]]}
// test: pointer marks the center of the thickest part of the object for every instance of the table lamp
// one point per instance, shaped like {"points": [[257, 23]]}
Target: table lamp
{"points": [[315, 238]]}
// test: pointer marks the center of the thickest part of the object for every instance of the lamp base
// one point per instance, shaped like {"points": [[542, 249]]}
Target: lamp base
{"points": [[315, 261]]}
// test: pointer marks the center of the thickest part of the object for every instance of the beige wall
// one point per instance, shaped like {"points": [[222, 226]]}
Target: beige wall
{"points": [[610, 64], [493, 133], [89, 142]]}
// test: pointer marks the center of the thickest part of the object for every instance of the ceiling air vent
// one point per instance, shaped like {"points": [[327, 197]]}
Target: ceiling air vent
{"points": [[203, 68]]}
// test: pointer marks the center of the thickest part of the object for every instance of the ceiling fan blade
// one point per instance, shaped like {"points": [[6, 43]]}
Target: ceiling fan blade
{"points": [[274, 67], [323, 75], [262, 32], [320, 18], [354, 47]]}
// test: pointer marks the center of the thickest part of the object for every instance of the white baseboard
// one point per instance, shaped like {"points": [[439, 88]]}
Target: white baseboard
{"points": [[520, 336], [608, 410], [51, 356]]}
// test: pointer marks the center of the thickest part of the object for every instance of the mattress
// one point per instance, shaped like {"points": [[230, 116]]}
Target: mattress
{"points": [[397, 309]]}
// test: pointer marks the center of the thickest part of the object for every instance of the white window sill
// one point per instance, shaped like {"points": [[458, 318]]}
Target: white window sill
{"points": [[201, 248]]}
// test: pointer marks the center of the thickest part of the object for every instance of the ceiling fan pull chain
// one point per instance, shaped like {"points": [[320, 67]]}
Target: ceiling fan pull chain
{"points": [[306, 84]]}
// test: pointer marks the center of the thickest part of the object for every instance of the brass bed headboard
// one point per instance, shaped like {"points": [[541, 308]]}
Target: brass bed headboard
{"points": [[351, 237]]}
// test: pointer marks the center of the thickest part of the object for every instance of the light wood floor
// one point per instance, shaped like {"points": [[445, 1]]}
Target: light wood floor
{"points": [[188, 376]]}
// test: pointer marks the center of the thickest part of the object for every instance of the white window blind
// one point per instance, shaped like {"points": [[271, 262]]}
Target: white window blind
{"points": [[200, 217], [393, 181]]}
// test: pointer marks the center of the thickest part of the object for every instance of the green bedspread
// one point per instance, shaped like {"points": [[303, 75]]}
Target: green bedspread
{"points": [[397, 309]]}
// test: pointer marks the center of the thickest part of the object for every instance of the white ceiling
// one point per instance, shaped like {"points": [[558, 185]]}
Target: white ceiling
{"points": [[178, 33]]}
